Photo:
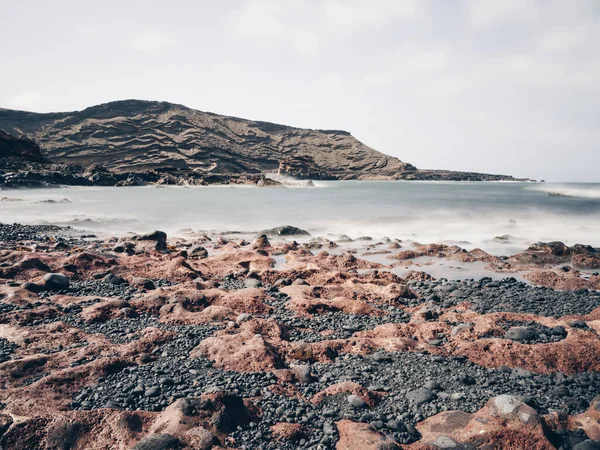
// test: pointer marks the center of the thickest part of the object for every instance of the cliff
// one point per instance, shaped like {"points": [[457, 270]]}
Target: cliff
{"points": [[135, 135]]}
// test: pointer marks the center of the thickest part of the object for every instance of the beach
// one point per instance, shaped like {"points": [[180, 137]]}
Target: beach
{"points": [[279, 339]]}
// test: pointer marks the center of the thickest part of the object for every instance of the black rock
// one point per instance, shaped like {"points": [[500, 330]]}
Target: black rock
{"points": [[520, 334], [114, 279], [56, 281], [286, 230], [158, 442], [587, 445], [420, 396]]}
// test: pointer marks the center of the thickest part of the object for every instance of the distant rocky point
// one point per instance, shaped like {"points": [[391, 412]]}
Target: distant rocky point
{"points": [[134, 142]]}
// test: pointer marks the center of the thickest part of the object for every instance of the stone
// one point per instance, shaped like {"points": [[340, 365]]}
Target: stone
{"points": [[56, 281], [111, 278], [420, 396], [158, 442], [286, 230], [356, 401], [154, 236], [520, 334], [587, 445], [243, 317], [360, 436], [252, 283], [433, 385], [197, 251], [143, 283], [160, 237], [152, 391], [522, 373], [260, 242], [460, 328], [166, 381], [283, 282], [302, 372], [576, 323], [507, 404], [292, 432], [201, 438], [33, 287]]}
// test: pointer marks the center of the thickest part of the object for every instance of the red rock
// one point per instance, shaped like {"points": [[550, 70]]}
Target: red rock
{"points": [[586, 261], [504, 419], [346, 387], [416, 275], [288, 432], [101, 312], [569, 281], [240, 350], [360, 436]]}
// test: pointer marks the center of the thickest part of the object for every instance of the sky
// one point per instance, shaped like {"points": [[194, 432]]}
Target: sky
{"points": [[497, 86]]}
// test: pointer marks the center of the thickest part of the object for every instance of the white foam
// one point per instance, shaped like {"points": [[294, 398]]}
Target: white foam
{"points": [[568, 191], [466, 215]]}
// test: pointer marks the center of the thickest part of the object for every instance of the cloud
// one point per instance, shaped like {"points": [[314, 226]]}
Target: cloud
{"points": [[351, 14], [272, 23], [485, 13], [307, 27], [26, 101], [151, 42], [568, 39]]}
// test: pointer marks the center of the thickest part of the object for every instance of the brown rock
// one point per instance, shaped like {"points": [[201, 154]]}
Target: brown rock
{"points": [[360, 436], [288, 431], [504, 419], [241, 351]]}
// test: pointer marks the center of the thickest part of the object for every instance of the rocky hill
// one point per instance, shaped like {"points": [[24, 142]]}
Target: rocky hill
{"points": [[134, 142], [134, 135]]}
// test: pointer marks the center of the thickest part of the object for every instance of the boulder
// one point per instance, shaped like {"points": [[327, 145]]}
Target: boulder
{"points": [[286, 230], [56, 281], [197, 251], [520, 334], [260, 242], [160, 237]]}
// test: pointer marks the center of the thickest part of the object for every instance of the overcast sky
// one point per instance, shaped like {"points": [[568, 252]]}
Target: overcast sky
{"points": [[500, 86]]}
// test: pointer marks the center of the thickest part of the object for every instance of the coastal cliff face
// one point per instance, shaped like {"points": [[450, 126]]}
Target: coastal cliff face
{"points": [[136, 135], [19, 149]]}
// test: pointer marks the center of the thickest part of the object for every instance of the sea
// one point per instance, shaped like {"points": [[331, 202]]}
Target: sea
{"points": [[499, 217]]}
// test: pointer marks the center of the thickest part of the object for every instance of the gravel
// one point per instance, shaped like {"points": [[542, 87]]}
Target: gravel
{"points": [[6, 349], [416, 386], [339, 325], [508, 295], [15, 232]]}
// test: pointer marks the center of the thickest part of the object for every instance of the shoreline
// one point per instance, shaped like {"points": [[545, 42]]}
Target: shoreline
{"points": [[286, 342]]}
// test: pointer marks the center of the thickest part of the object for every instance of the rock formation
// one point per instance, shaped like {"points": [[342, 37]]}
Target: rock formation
{"points": [[135, 135], [183, 144]]}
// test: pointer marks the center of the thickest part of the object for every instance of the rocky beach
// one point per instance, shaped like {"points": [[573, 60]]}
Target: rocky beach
{"points": [[300, 225], [282, 340]]}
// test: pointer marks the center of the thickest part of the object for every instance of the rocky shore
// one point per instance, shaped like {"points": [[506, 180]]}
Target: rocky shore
{"points": [[209, 341]]}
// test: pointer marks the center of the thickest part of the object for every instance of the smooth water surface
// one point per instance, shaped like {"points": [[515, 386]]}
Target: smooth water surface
{"points": [[469, 214]]}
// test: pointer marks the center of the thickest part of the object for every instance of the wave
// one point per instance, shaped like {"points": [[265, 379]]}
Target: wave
{"points": [[291, 182], [568, 191]]}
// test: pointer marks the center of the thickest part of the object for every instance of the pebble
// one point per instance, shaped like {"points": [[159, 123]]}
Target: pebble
{"points": [[356, 401]]}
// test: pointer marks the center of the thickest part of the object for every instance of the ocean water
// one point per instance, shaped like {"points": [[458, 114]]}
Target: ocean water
{"points": [[468, 214]]}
